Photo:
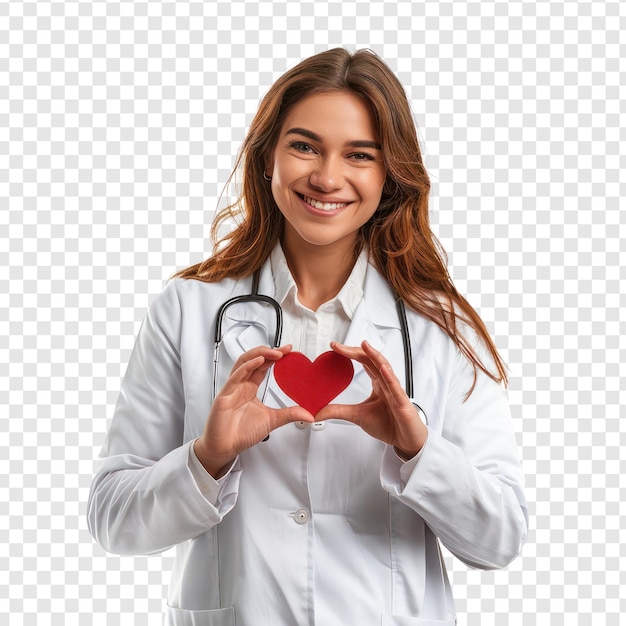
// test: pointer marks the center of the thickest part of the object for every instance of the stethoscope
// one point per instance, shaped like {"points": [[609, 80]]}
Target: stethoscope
{"points": [[255, 297]]}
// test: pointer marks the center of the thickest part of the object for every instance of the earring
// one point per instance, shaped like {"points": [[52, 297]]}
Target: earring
{"points": [[266, 176]]}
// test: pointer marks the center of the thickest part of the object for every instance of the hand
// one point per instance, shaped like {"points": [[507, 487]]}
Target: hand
{"points": [[388, 414], [238, 420]]}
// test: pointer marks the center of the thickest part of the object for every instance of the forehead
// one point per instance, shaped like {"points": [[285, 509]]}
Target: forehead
{"points": [[333, 113]]}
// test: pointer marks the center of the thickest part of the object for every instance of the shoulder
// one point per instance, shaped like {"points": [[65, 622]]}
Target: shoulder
{"points": [[182, 316], [190, 290], [182, 298]]}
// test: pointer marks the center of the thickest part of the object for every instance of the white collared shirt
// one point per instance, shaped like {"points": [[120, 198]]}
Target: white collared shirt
{"points": [[311, 332]]}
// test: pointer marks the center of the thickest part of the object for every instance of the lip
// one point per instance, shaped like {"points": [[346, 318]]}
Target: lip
{"points": [[314, 211]]}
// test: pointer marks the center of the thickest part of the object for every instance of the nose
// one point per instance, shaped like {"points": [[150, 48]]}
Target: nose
{"points": [[328, 174]]}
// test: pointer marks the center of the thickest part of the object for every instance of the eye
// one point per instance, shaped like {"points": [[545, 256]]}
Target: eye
{"points": [[362, 156], [301, 146]]}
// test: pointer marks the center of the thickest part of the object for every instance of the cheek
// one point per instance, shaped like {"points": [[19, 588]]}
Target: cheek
{"points": [[374, 182], [280, 186], [284, 173], [376, 188]]}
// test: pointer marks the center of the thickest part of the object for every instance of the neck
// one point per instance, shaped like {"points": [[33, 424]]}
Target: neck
{"points": [[319, 271]]}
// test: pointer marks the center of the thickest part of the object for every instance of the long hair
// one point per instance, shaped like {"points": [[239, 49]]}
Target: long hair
{"points": [[398, 236]]}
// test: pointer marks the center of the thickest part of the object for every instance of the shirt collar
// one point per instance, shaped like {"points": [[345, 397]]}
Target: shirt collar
{"points": [[349, 296]]}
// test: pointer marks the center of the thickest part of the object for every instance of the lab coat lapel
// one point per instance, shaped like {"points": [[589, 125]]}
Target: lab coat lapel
{"points": [[376, 321]]}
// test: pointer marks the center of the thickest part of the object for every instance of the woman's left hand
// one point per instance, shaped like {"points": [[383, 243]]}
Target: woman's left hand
{"points": [[388, 414]]}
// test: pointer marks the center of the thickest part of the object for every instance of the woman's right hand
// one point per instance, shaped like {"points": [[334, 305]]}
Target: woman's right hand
{"points": [[238, 419]]}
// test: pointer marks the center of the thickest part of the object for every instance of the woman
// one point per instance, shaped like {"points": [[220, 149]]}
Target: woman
{"points": [[335, 518]]}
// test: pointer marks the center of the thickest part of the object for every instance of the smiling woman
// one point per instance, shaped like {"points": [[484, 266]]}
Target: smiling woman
{"points": [[337, 517], [327, 180]]}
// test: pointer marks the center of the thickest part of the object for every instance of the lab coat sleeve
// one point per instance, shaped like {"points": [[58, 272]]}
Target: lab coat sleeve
{"points": [[467, 483], [144, 497]]}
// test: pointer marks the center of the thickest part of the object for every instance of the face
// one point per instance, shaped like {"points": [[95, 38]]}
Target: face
{"points": [[327, 171]]}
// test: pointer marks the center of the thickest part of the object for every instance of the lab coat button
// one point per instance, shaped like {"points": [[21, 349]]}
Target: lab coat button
{"points": [[301, 516], [301, 424], [318, 425]]}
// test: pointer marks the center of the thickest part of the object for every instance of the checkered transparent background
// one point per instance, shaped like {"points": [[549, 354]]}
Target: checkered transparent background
{"points": [[119, 122]]}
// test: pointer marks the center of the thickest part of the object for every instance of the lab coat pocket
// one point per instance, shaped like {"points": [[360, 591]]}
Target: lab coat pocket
{"points": [[399, 620], [215, 617]]}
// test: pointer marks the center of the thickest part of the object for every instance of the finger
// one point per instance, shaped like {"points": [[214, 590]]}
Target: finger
{"points": [[352, 352], [358, 354], [259, 374], [249, 371], [373, 354], [378, 382], [371, 370], [391, 383], [272, 354], [395, 390], [355, 354], [268, 354], [287, 415], [252, 367], [374, 363], [378, 362], [348, 412], [375, 370]]}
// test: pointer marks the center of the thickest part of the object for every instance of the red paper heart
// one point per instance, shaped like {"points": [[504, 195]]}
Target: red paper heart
{"points": [[313, 385]]}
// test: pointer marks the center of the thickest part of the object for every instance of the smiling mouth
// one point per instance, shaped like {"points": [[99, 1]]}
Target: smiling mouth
{"points": [[323, 206]]}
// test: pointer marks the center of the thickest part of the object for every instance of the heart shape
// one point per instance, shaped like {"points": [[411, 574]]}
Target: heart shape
{"points": [[313, 385]]}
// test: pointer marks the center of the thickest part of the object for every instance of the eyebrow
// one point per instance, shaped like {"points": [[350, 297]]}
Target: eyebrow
{"points": [[362, 143]]}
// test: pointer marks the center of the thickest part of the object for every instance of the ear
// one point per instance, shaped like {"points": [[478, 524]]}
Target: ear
{"points": [[268, 161]]}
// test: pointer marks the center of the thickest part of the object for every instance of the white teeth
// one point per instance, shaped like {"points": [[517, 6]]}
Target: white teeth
{"points": [[324, 206]]}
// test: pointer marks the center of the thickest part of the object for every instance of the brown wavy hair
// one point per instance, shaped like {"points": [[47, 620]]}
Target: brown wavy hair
{"points": [[398, 236]]}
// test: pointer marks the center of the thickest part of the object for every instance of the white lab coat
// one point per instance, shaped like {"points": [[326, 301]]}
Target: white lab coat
{"points": [[321, 525]]}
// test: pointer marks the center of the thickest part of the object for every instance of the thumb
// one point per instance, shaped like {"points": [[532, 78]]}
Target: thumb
{"points": [[347, 412], [291, 414]]}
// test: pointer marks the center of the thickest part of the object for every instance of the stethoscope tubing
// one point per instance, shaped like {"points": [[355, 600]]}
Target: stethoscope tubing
{"points": [[406, 345], [252, 297]]}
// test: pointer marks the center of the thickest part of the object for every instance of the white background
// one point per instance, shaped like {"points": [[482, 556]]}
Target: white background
{"points": [[119, 123]]}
